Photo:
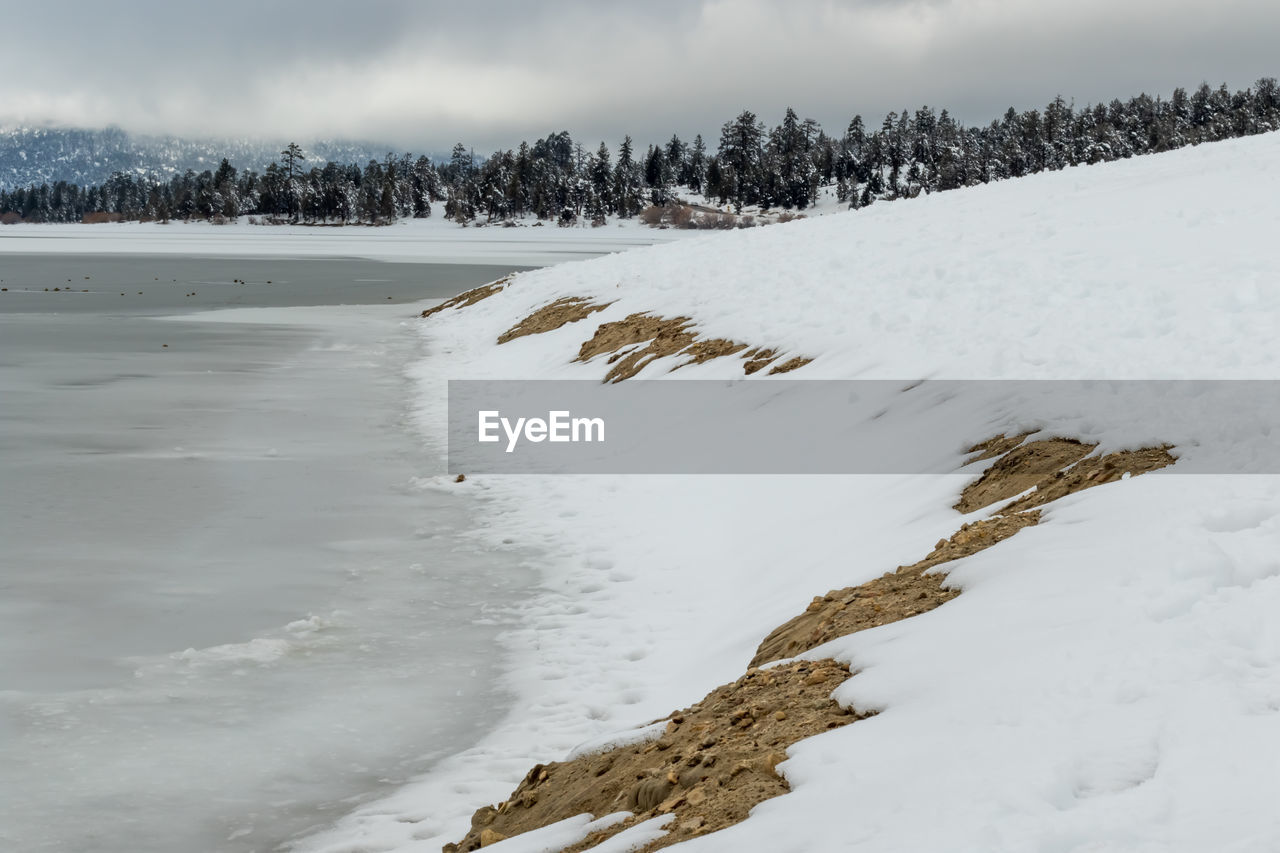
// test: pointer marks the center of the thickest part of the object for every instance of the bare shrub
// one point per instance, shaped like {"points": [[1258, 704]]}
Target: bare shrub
{"points": [[747, 222], [682, 217], [716, 221], [10, 218], [652, 215]]}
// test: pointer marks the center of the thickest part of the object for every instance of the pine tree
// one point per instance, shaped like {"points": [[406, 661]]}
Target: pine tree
{"points": [[792, 168], [626, 182], [740, 155], [657, 175], [676, 152], [695, 166]]}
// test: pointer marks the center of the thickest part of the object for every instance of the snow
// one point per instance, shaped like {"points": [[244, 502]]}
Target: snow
{"points": [[613, 740], [434, 240], [1108, 680], [557, 836]]}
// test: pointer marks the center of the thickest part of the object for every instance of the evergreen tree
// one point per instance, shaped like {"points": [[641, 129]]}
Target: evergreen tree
{"points": [[555, 179], [740, 155], [695, 166], [626, 182], [791, 163]]}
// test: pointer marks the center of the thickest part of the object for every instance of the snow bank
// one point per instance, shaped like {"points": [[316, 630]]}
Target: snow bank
{"points": [[1108, 680]]}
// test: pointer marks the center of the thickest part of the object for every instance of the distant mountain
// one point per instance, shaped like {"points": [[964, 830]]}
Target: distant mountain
{"points": [[35, 155]]}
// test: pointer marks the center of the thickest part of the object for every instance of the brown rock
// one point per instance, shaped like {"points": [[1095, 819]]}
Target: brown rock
{"points": [[669, 805], [648, 794], [489, 836], [770, 762], [693, 825]]}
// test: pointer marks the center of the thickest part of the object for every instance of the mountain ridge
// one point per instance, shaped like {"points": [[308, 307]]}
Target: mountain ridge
{"points": [[37, 154]]}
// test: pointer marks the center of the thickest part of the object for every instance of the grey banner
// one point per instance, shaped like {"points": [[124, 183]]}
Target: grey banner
{"points": [[845, 427]]}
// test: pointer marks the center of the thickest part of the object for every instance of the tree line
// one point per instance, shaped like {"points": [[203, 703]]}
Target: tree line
{"points": [[557, 179]]}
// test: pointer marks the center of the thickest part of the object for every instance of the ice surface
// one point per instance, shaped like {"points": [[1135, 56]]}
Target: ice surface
{"points": [[230, 607], [434, 240]]}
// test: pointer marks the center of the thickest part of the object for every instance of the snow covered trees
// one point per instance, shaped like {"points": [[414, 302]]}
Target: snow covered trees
{"points": [[555, 179], [741, 157], [789, 166]]}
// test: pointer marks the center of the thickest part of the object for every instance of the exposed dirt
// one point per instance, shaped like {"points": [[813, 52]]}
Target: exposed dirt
{"points": [[1094, 471], [993, 447], [642, 338], [790, 365], [570, 309], [707, 349], [470, 297], [631, 343], [1055, 467], [660, 337], [712, 766], [1021, 468], [894, 595], [757, 359]]}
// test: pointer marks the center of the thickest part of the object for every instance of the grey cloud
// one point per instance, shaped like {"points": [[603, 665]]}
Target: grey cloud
{"points": [[425, 74]]}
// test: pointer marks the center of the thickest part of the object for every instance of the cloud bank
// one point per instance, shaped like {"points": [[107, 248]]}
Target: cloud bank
{"points": [[423, 75]]}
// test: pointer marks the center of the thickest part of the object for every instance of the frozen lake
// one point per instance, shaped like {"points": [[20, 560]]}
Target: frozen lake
{"points": [[229, 607]]}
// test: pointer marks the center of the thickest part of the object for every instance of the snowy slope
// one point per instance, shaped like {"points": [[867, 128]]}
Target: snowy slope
{"points": [[1107, 680]]}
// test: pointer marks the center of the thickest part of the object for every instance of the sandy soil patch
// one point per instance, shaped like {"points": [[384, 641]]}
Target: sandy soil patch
{"points": [[631, 343], [895, 595], [715, 761], [707, 349], [790, 365], [636, 341], [570, 309], [470, 297], [1054, 467]]}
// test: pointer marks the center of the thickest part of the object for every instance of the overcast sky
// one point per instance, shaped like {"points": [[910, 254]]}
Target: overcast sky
{"points": [[422, 74]]}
